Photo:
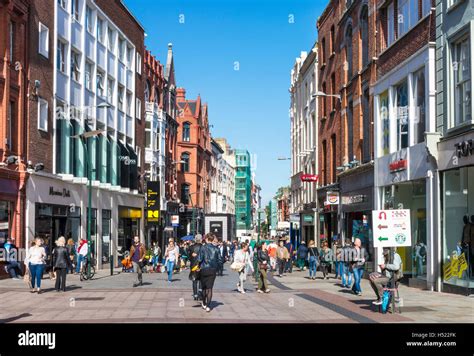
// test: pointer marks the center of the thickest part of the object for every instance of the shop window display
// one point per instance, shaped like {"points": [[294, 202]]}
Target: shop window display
{"points": [[458, 227]]}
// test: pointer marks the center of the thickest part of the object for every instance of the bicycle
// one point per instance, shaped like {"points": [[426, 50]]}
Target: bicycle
{"points": [[85, 264]]}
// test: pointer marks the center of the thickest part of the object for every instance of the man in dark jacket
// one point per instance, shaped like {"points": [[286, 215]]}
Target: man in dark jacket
{"points": [[301, 255], [209, 260], [193, 257]]}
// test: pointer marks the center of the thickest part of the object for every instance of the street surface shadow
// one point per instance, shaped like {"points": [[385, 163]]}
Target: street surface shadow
{"points": [[13, 318]]}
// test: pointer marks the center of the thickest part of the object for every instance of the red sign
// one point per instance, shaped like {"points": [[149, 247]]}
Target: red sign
{"points": [[398, 165], [309, 178]]}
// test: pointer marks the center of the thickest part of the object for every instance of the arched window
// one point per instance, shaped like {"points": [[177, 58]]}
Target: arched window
{"points": [[147, 91], [185, 162], [186, 131], [348, 40], [364, 35], [185, 193]]}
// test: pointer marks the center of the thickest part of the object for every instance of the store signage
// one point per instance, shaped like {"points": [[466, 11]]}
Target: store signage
{"points": [[465, 148], [399, 165], [127, 160], [65, 193], [175, 220], [309, 178], [391, 228], [294, 217], [308, 218], [455, 267], [354, 199], [153, 201], [332, 198]]}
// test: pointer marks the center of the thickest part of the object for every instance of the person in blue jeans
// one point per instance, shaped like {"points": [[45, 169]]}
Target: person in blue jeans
{"points": [[36, 262], [313, 254], [171, 255], [358, 265], [346, 259]]}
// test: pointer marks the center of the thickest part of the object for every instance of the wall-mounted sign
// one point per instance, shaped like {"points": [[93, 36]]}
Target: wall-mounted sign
{"points": [[175, 220], [465, 148], [294, 217], [332, 198], [153, 201], [309, 178], [391, 228], [308, 218], [398, 166], [354, 199], [65, 193]]}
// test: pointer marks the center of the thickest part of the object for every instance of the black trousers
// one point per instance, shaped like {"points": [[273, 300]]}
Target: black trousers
{"points": [[281, 265], [196, 287], [61, 274]]}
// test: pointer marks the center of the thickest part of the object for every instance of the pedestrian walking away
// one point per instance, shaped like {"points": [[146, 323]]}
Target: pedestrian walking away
{"points": [[263, 261], [358, 265], [61, 263], [209, 261], [156, 255], [391, 271], [282, 257], [48, 261], [339, 262], [313, 255], [326, 257], [172, 257], [82, 251], [291, 251], [301, 255], [194, 274], [242, 263], [346, 259], [71, 250], [137, 253], [36, 258]]}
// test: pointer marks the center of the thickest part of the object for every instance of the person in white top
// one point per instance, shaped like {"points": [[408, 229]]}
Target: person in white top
{"points": [[172, 255], [242, 257], [36, 257]]}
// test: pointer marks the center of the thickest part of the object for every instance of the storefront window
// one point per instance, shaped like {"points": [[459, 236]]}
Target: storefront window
{"points": [[5, 220], [411, 195], [359, 226], [53, 221], [458, 234], [93, 231], [384, 116], [106, 224]]}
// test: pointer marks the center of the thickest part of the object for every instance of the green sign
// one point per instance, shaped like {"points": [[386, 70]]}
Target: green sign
{"points": [[308, 218], [383, 238]]}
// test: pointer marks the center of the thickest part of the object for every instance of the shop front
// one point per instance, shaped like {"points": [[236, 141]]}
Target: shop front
{"points": [[308, 222], [11, 207], [57, 207], [329, 224], [456, 164]]}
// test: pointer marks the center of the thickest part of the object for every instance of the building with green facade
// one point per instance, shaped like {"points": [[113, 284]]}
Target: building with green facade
{"points": [[243, 191]]}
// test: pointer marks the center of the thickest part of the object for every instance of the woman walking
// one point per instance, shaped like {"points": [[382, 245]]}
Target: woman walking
{"points": [[36, 259], [71, 251], [326, 259], [209, 261], [156, 255], [263, 263], [313, 259], [242, 259], [61, 263], [172, 256]]}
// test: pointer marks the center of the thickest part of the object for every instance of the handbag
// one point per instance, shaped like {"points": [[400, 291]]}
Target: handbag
{"points": [[263, 266], [237, 266]]}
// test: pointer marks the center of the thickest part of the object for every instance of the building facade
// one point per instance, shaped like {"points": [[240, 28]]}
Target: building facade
{"points": [[222, 182], [243, 192], [455, 122], [86, 63]]}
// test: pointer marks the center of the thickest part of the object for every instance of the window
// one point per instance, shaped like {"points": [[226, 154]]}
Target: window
{"points": [[185, 193], [75, 66], [147, 91], [186, 131], [138, 108], [332, 44], [100, 29], [367, 134], [139, 63], [323, 51], [462, 81], [100, 83], [407, 15], [75, 10], [110, 90], [42, 115], [89, 23], [11, 35], [121, 93], [88, 75], [364, 36], [385, 119], [333, 159], [402, 115], [111, 38], [43, 40], [420, 118], [122, 49], [10, 118], [62, 3], [350, 131], [333, 91], [324, 164], [349, 53], [129, 56], [425, 7], [390, 24], [324, 98], [156, 97], [129, 104], [61, 57], [148, 134], [185, 163]]}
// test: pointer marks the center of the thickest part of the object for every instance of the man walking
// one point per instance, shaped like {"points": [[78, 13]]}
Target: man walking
{"points": [[282, 258], [137, 253], [301, 255], [289, 264]]}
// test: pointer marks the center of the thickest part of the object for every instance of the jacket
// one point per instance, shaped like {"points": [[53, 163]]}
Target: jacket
{"points": [[194, 249], [262, 256], [244, 258], [326, 256], [210, 257], [393, 266], [361, 257], [61, 257], [302, 251], [142, 251], [282, 253], [313, 251]]}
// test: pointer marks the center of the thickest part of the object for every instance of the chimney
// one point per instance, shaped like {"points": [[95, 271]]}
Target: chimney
{"points": [[180, 94]]}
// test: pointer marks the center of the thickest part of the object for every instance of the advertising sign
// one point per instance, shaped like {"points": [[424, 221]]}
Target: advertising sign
{"points": [[391, 228], [175, 220], [153, 201], [216, 228], [309, 178], [332, 198]]}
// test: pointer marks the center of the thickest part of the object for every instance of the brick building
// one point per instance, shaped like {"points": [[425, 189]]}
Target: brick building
{"points": [[194, 152], [14, 35]]}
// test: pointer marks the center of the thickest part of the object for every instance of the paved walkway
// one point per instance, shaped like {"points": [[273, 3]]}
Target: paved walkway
{"points": [[293, 299]]}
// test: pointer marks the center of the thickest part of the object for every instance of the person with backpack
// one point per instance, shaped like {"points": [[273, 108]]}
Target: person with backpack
{"points": [[301, 255], [391, 271], [209, 260], [313, 254], [346, 259]]}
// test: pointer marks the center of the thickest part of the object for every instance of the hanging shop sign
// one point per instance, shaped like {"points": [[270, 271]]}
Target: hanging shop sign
{"points": [[391, 228], [153, 201], [175, 220], [309, 178], [308, 218], [398, 166], [332, 198], [465, 148]]}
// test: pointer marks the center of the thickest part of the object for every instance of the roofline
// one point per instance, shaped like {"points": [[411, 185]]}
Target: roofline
{"points": [[132, 15]]}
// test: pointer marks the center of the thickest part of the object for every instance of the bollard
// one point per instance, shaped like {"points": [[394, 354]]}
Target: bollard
{"points": [[112, 265]]}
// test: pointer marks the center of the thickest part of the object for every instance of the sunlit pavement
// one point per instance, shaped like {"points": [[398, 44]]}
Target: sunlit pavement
{"points": [[293, 298]]}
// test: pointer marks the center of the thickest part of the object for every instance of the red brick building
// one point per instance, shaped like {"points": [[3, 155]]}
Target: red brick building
{"points": [[194, 150], [14, 36]]}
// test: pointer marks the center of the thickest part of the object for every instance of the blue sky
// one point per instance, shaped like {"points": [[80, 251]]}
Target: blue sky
{"points": [[260, 38]]}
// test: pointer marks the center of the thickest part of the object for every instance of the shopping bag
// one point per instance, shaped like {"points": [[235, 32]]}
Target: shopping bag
{"points": [[386, 299]]}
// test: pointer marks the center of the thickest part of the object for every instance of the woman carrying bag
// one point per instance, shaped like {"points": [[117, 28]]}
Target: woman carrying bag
{"points": [[241, 263], [313, 259]]}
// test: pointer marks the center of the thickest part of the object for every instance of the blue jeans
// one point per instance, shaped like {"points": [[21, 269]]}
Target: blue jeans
{"points": [[36, 272], [339, 269], [346, 275], [358, 272], [80, 258], [169, 268], [313, 265]]}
